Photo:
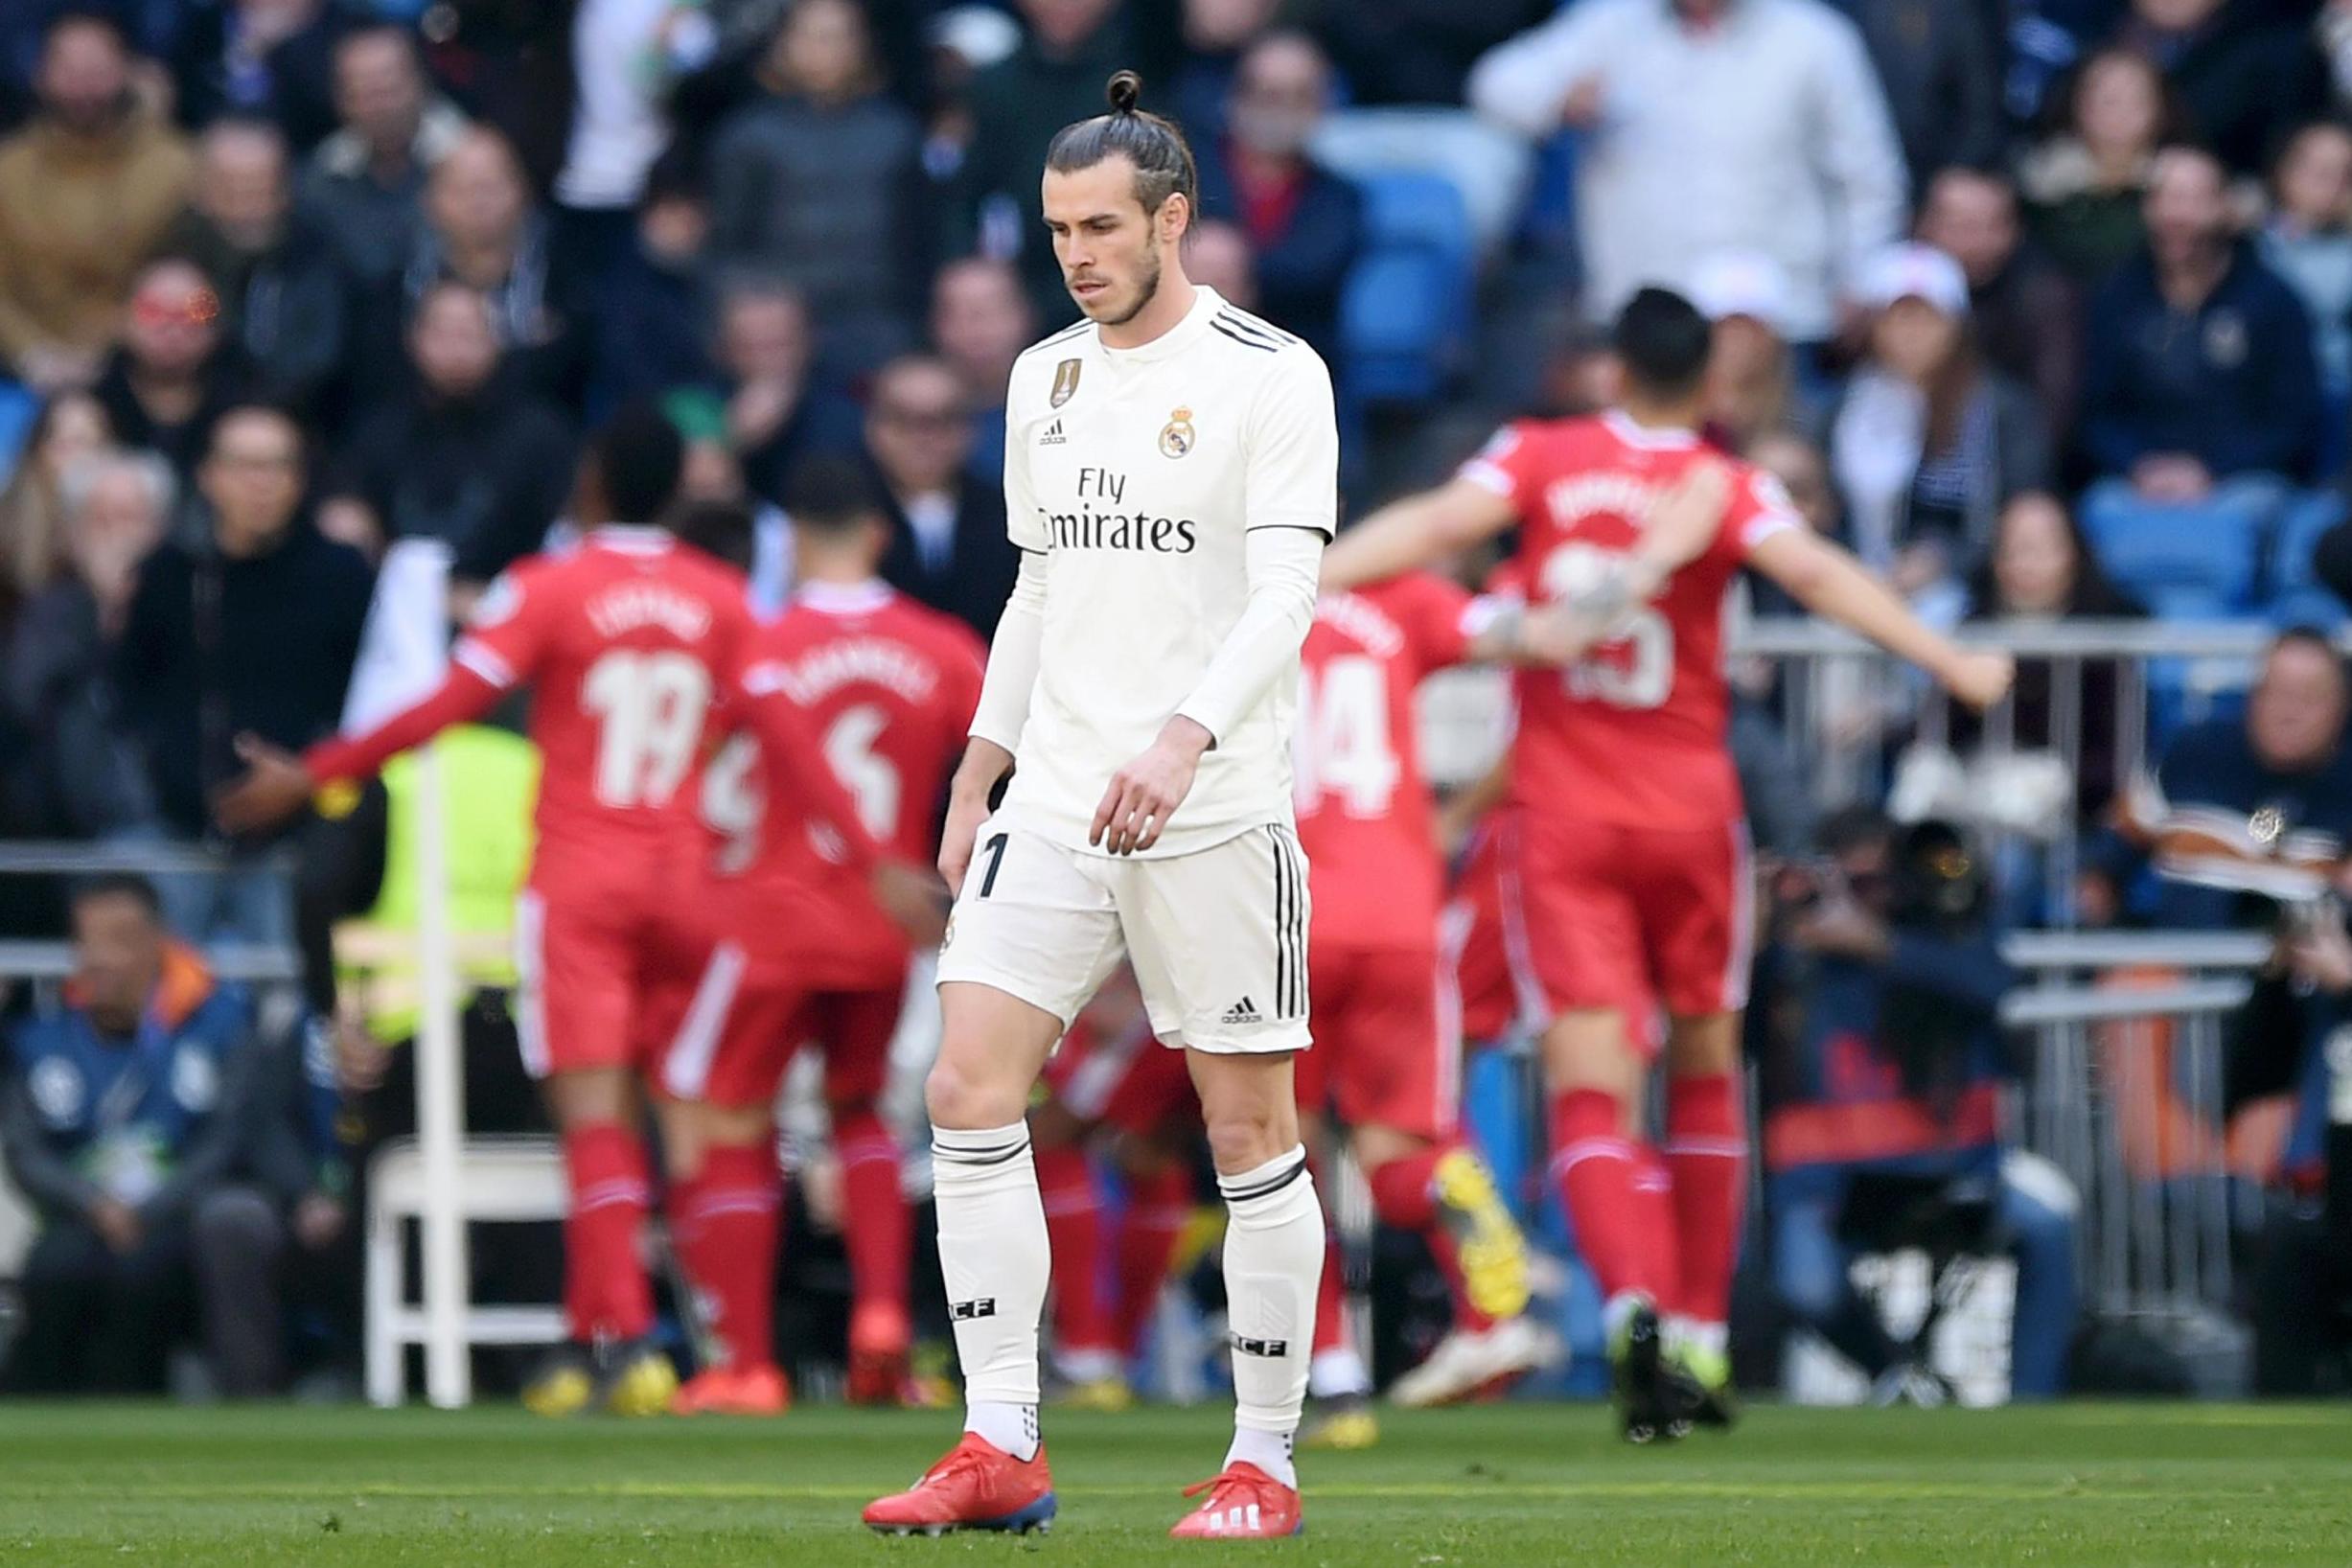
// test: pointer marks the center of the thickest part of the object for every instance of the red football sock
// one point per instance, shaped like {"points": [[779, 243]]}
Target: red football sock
{"points": [[729, 1223], [1331, 1294], [876, 1231], [1594, 1163], [1404, 1195], [1157, 1205], [1706, 1149], [605, 1293], [1074, 1225], [1653, 1203]]}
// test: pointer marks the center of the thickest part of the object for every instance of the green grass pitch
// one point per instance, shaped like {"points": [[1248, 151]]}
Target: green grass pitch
{"points": [[2164, 1486]]}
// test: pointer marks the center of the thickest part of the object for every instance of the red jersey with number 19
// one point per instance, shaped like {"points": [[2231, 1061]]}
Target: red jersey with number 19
{"points": [[1365, 817], [1633, 733], [626, 643]]}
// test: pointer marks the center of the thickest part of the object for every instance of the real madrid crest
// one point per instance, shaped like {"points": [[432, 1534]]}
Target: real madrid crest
{"points": [[2266, 827], [1065, 382], [1176, 436]]}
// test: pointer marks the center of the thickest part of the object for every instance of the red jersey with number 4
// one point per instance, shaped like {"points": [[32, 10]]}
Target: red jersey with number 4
{"points": [[626, 642], [1633, 733], [1365, 815], [889, 687]]}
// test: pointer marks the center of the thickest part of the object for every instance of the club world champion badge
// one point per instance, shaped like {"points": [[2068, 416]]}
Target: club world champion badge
{"points": [[1065, 382], [1176, 435]]}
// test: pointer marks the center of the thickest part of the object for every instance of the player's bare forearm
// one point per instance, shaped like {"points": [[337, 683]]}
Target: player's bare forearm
{"points": [[1405, 536], [984, 765], [1835, 586]]}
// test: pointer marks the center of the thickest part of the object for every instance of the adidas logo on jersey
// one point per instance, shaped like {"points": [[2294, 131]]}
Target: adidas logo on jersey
{"points": [[1244, 1011], [1051, 436]]}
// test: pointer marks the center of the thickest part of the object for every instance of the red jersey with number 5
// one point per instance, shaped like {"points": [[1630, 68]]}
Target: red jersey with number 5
{"points": [[626, 642], [1633, 733], [889, 687], [1366, 819]]}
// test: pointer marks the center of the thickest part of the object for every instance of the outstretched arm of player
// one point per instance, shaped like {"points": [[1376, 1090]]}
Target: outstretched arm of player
{"points": [[1011, 676], [1835, 586], [1407, 535], [277, 783]]}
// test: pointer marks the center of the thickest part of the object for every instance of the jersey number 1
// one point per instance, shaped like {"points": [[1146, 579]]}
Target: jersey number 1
{"points": [[651, 707]]}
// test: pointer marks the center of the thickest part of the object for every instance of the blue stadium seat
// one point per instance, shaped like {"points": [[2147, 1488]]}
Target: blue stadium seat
{"points": [[2300, 527], [2197, 560], [1405, 312]]}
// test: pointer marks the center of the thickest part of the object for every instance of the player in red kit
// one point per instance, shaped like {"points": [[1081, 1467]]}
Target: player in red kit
{"points": [[887, 687], [1389, 1054], [1630, 876], [629, 643]]}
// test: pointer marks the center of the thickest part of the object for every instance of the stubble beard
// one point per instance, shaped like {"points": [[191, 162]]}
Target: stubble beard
{"points": [[1147, 289]]}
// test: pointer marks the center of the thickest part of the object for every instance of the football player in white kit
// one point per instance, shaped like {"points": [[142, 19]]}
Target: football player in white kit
{"points": [[1172, 477]]}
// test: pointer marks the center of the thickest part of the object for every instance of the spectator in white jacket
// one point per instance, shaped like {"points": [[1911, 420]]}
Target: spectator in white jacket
{"points": [[1711, 126]]}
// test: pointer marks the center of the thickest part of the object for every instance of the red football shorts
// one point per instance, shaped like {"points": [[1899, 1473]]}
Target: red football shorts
{"points": [[1604, 916], [1388, 1040], [600, 978], [1128, 1081], [746, 1020]]}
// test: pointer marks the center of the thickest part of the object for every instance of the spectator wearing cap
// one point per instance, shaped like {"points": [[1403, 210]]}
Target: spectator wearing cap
{"points": [[1751, 382], [1710, 126], [285, 303], [979, 322], [821, 184], [948, 546], [1305, 222], [651, 323], [2200, 367], [174, 373], [366, 182], [1928, 442], [86, 189], [2026, 312]]}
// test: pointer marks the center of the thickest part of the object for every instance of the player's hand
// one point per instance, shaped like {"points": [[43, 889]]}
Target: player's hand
{"points": [[1980, 677], [1554, 634], [275, 786], [966, 811], [1142, 794], [118, 1224], [914, 899], [1685, 520]]}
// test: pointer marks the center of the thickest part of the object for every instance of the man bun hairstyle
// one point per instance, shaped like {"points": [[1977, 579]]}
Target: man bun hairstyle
{"points": [[1162, 159]]}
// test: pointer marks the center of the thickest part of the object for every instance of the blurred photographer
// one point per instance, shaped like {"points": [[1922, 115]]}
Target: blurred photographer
{"points": [[2294, 1040], [1884, 1063]]}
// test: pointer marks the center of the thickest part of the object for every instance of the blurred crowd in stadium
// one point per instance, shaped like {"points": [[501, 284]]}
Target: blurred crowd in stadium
{"points": [[2045, 307]]}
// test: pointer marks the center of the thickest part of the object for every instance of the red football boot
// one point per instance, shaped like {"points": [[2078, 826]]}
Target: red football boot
{"points": [[1244, 1504], [723, 1391], [880, 1342], [977, 1486]]}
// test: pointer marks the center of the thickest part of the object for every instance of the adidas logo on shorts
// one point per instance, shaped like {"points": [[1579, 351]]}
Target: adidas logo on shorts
{"points": [[1053, 435], [1244, 1011]]}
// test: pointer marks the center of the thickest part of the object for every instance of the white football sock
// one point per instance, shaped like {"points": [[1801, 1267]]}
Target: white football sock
{"points": [[1273, 1263], [995, 1257]]}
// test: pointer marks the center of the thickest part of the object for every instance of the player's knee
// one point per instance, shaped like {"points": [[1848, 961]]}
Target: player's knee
{"points": [[1245, 1136], [958, 1097]]}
